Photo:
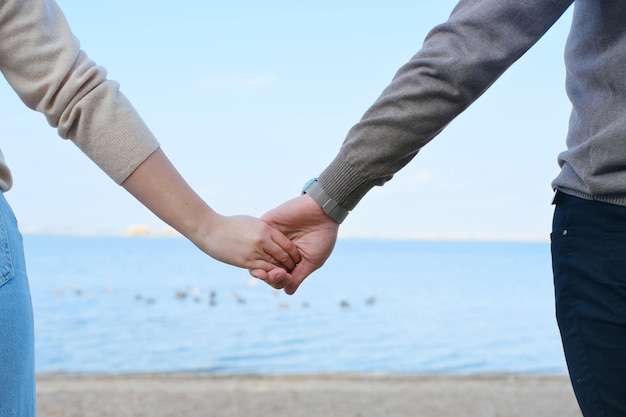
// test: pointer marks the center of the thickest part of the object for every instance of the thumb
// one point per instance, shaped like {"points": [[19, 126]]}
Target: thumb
{"points": [[258, 273]]}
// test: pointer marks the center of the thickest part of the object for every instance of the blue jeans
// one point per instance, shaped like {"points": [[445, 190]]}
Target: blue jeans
{"points": [[589, 263], [17, 346]]}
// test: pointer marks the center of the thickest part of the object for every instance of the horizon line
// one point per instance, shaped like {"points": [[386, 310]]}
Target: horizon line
{"points": [[144, 231]]}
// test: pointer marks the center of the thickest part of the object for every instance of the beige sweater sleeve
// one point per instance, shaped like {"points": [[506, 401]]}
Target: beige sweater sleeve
{"points": [[44, 64]]}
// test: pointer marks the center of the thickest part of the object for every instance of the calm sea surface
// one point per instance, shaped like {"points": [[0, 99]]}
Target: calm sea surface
{"points": [[158, 304]]}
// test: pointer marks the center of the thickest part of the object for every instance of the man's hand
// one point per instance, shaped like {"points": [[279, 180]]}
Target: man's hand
{"points": [[304, 222]]}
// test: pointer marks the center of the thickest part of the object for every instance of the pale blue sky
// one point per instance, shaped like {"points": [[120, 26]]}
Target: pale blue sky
{"points": [[251, 99]]}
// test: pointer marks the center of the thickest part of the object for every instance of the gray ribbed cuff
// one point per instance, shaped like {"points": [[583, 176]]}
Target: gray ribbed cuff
{"points": [[343, 183]]}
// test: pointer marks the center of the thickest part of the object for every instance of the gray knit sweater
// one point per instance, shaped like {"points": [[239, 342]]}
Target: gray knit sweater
{"points": [[461, 58]]}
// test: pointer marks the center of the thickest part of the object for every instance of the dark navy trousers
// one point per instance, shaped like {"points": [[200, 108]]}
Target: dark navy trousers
{"points": [[589, 264]]}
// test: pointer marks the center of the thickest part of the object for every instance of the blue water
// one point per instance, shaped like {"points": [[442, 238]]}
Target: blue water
{"points": [[144, 305]]}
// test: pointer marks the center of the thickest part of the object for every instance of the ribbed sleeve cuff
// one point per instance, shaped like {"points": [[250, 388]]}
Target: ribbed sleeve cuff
{"points": [[343, 183]]}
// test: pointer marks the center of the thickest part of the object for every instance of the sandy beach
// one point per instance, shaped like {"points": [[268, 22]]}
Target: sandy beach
{"points": [[202, 395]]}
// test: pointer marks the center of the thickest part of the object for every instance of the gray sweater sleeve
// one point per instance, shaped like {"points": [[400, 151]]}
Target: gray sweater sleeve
{"points": [[459, 60]]}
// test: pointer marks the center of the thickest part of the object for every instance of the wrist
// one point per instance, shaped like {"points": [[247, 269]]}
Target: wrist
{"points": [[330, 206], [200, 226]]}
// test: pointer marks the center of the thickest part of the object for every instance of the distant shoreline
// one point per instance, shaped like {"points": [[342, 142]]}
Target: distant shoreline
{"points": [[141, 232], [329, 395]]}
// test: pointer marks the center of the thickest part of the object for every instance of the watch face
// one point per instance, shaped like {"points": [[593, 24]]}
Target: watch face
{"points": [[308, 183]]}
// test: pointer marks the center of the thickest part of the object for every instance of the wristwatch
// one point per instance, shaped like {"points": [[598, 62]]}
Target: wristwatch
{"points": [[330, 206]]}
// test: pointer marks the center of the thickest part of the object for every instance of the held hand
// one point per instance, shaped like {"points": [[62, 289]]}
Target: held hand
{"points": [[304, 222], [250, 243]]}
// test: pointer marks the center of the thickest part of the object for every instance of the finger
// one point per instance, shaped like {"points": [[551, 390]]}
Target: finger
{"points": [[258, 273], [278, 278], [274, 276], [298, 275], [276, 255], [292, 287], [287, 245], [265, 266]]}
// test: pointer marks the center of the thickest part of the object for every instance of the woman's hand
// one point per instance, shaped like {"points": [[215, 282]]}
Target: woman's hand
{"points": [[247, 242]]}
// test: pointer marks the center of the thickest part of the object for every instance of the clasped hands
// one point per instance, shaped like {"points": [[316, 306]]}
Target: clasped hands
{"points": [[311, 237], [282, 248]]}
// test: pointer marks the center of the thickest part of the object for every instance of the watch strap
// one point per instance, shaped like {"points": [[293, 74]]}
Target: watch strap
{"points": [[330, 206]]}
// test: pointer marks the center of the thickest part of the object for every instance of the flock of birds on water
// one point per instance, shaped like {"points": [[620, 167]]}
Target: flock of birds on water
{"points": [[194, 294]]}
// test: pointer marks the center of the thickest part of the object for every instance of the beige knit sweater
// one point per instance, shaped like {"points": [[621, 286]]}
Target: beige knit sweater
{"points": [[42, 61]]}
